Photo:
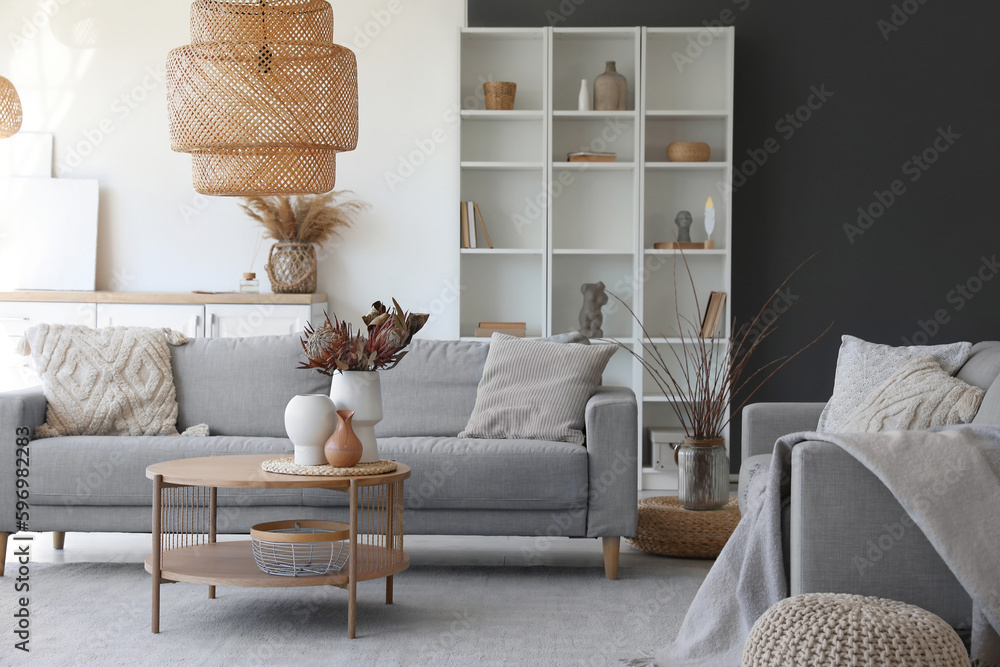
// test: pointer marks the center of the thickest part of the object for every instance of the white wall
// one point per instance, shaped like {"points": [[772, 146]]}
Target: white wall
{"points": [[92, 74]]}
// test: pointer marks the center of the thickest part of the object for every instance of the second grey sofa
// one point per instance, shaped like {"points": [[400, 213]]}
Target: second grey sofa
{"points": [[240, 387]]}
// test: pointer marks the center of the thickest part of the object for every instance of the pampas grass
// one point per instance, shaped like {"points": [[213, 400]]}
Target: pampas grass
{"points": [[306, 219]]}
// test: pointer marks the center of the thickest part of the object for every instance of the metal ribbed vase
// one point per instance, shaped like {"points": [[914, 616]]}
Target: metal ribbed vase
{"points": [[703, 474]]}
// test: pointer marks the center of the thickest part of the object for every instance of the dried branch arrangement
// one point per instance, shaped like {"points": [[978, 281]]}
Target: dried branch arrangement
{"points": [[334, 346], [305, 219], [707, 374]]}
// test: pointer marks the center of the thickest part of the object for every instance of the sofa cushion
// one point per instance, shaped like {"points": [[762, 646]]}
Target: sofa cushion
{"points": [[461, 473], [433, 389], [111, 470], [982, 367], [240, 386]]}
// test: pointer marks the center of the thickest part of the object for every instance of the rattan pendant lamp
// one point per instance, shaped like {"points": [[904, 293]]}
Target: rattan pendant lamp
{"points": [[10, 109], [262, 98]]}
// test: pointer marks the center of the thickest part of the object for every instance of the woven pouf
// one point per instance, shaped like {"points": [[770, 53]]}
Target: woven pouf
{"points": [[839, 629], [667, 529]]}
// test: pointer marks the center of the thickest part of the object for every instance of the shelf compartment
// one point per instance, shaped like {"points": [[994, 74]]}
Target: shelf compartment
{"points": [[589, 133], [689, 114], [569, 272], [663, 131], [503, 166], [650, 392], [669, 192], [689, 254], [594, 210], [502, 288], [662, 302], [686, 166], [589, 251], [516, 55], [500, 251], [487, 115], [594, 166], [694, 71], [509, 202], [499, 140], [592, 115], [582, 54]]}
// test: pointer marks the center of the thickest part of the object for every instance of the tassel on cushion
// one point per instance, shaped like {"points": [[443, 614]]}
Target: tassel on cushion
{"points": [[196, 431], [175, 337], [23, 348]]}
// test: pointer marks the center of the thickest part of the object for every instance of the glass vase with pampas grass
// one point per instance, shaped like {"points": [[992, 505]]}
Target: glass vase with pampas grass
{"points": [[300, 224]]}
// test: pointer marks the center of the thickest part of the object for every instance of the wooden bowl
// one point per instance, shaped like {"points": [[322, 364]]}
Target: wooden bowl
{"points": [[688, 151]]}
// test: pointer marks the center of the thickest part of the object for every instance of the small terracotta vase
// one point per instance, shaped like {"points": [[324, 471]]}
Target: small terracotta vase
{"points": [[344, 448]]}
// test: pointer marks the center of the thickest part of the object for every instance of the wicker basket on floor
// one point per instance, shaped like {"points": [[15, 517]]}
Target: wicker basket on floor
{"points": [[667, 529], [292, 268]]}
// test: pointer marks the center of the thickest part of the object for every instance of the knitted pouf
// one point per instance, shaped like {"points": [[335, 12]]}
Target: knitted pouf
{"points": [[835, 629]]}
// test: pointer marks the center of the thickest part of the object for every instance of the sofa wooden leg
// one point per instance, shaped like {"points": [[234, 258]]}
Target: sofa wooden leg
{"points": [[611, 547], [3, 551], [58, 539]]}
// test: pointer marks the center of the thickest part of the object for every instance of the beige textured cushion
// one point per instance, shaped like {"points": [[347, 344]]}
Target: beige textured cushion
{"points": [[536, 389], [112, 381], [864, 366], [841, 629], [920, 395]]}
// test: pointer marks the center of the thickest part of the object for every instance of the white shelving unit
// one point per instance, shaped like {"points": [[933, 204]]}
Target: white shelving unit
{"points": [[556, 225]]}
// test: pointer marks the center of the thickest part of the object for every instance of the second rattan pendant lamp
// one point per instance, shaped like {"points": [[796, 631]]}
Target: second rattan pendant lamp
{"points": [[262, 98], [10, 109]]}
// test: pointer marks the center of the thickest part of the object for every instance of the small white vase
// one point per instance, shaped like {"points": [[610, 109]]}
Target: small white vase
{"points": [[310, 419], [360, 391], [584, 103]]}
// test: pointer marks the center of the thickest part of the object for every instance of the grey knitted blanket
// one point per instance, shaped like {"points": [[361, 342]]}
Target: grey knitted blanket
{"points": [[962, 522]]}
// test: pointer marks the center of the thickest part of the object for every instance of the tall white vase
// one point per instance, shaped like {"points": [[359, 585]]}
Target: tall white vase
{"points": [[310, 420], [584, 101], [360, 391]]}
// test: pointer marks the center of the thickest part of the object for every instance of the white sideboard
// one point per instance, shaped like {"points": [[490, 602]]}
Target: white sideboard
{"points": [[196, 315]]}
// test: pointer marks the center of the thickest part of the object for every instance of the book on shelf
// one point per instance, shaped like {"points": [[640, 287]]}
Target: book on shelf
{"points": [[470, 215], [713, 314], [487, 329], [591, 156]]}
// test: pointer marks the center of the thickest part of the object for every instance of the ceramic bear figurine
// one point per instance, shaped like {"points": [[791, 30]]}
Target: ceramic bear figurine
{"points": [[591, 317]]}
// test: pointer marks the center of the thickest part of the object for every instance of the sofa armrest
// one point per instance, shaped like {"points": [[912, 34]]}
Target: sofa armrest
{"points": [[22, 408], [764, 423], [612, 423], [850, 535]]}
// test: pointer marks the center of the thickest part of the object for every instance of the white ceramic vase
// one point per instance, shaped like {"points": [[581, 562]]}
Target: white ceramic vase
{"points": [[310, 420], [360, 391], [583, 103]]}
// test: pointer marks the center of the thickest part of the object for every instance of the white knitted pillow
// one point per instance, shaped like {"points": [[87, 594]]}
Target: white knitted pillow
{"points": [[864, 366], [112, 381]]}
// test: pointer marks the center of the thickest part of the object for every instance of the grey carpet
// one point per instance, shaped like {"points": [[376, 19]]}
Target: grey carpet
{"points": [[99, 613]]}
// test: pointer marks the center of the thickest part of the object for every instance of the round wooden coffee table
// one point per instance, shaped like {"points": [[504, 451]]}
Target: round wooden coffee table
{"points": [[184, 522], [667, 529]]}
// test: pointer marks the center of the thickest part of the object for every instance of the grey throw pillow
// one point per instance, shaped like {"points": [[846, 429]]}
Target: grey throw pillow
{"points": [[536, 389], [862, 367]]}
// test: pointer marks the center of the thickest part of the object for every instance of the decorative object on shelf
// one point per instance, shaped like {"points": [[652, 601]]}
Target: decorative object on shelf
{"points": [[344, 449], [515, 329], [591, 156], [584, 103], [299, 224], [663, 442], [713, 314], [688, 151], [300, 548], [591, 317], [610, 89], [262, 98], [284, 465], [334, 346], [709, 220], [500, 95], [11, 114], [699, 381], [683, 220], [249, 283], [309, 421], [470, 213], [665, 528]]}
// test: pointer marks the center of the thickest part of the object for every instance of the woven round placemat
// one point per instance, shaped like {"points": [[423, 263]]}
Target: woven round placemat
{"points": [[667, 529], [286, 465]]}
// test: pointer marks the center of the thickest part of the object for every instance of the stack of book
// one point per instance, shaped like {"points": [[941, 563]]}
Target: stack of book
{"points": [[591, 156], [713, 314], [470, 214], [487, 329]]}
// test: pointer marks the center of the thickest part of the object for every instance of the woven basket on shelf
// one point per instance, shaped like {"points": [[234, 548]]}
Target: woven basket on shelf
{"points": [[688, 151], [10, 109], [292, 268], [667, 529], [500, 95]]}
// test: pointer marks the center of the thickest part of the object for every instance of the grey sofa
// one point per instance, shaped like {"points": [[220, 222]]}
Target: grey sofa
{"points": [[844, 531], [240, 387]]}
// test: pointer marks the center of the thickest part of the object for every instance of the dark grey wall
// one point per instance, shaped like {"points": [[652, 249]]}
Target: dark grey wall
{"points": [[894, 93]]}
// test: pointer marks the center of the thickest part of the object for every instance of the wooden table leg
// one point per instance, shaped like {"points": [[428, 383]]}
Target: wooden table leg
{"points": [[212, 508], [390, 532], [157, 543], [388, 589], [352, 569]]}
